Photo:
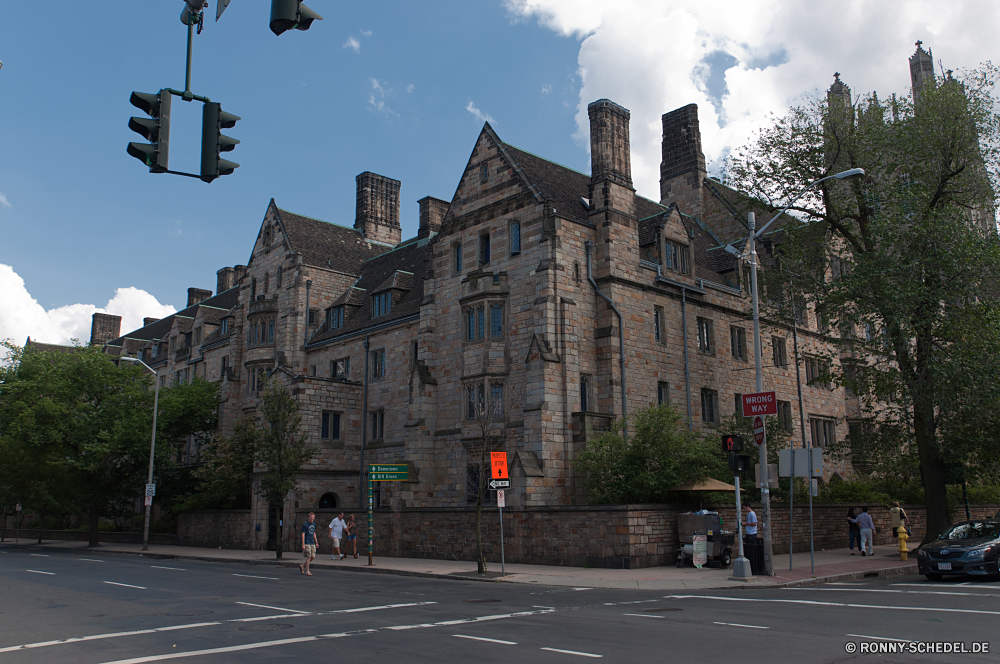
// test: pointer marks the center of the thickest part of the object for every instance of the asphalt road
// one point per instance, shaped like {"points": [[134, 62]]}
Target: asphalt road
{"points": [[94, 609]]}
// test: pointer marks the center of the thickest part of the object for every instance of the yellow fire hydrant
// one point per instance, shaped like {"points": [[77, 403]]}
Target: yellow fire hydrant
{"points": [[903, 539]]}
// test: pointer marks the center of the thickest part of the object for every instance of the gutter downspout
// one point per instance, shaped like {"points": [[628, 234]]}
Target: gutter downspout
{"points": [[588, 245], [687, 366], [364, 433], [305, 339]]}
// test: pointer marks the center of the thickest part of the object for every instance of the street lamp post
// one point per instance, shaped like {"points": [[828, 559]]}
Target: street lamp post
{"points": [[765, 491], [152, 447]]}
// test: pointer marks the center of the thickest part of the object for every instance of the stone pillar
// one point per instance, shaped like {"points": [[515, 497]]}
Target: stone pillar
{"points": [[377, 215]]}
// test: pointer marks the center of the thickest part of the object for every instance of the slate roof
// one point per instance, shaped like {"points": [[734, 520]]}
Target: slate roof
{"points": [[328, 245], [161, 328], [49, 347], [377, 273], [563, 186]]}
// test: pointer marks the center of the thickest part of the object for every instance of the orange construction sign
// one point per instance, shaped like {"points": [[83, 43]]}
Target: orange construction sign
{"points": [[498, 465]]}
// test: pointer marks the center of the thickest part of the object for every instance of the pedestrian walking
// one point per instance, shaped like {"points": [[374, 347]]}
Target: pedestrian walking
{"points": [[854, 531], [308, 543], [749, 523], [864, 521], [337, 527], [352, 534], [897, 518]]}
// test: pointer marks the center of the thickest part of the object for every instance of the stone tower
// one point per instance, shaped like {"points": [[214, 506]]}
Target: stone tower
{"points": [[682, 166], [838, 94], [377, 215], [921, 70]]}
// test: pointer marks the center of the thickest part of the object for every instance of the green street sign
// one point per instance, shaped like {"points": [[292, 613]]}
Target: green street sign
{"points": [[388, 472]]}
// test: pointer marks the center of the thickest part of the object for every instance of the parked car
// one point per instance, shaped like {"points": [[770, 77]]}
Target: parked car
{"points": [[968, 548]]}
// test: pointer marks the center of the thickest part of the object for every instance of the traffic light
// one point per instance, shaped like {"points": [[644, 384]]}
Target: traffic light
{"points": [[288, 14], [155, 130], [739, 463], [213, 121], [732, 443], [191, 14]]}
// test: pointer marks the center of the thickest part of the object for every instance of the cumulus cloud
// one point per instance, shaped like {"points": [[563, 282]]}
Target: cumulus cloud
{"points": [[21, 316], [409, 88], [353, 44], [366, 33], [546, 89], [741, 61], [485, 117], [376, 100], [3, 201]]}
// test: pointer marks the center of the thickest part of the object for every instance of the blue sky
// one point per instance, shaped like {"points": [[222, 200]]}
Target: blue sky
{"points": [[398, 88]]}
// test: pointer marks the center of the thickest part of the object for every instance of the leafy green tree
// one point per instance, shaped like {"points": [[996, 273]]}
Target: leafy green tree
{"points": [[281, 448], [225, 477], [660, 453], [902, 266]]}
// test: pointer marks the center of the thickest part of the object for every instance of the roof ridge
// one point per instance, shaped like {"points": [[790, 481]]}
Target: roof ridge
{"points": [[323, 221]]}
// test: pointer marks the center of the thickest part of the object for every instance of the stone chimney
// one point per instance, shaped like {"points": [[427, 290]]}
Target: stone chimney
{"points": [[225, 279], [432, 212], [241, 270], [104, 328], [196, 295], [377, 215], [610, 151], [149, 321], [921, 70], [682, 168]]}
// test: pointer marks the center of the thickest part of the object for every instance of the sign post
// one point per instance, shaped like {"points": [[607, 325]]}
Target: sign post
{"points": [[757, 405], [498, 477], [17, 523], [395, 472]]}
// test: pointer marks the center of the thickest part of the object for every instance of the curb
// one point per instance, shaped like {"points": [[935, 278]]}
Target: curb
{"points": [[849, 576]]}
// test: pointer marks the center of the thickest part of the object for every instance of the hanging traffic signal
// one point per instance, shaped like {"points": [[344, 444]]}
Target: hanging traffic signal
{"points": [[156, 130], [732, 443], [213, 121], [288, 14]]}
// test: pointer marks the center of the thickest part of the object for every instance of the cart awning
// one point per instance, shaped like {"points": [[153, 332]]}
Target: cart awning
{"points": [[705, 485]]}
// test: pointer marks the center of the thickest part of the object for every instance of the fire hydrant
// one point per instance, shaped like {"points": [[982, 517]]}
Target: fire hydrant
{"points": [[903, 539]]}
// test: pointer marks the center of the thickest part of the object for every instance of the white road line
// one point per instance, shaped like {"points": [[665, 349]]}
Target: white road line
{"points": [[91, 560], [35, 571], [216, 651], [40, 555], [572, 652], [465, 621], [127, 585], [641, 615], [251, 576], [179, 569], [582, 588], [482, 638], [942, 585], [853, 606], [906, 592], [880, 638], [739, 625], [378, 608], [96, 637], [276, 608], [259, 618]]}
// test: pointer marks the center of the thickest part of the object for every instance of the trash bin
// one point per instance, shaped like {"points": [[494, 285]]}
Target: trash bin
{"points": [[753, 549]]}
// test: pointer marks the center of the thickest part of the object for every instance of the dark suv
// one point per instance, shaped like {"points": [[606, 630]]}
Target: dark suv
{"points": [[970, 548]]}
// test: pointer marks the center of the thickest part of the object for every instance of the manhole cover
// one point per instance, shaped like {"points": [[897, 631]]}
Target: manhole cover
{"points": [[266, 627], [189, 613], [658, 610], [482, 601]]}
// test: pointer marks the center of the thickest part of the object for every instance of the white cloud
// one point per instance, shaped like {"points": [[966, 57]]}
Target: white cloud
{"points": [[4, 202], [485, 117], [546, 89], [409, 88], [352, 44], [651, 56], [376, 100], [22, 316], [366, 33]]}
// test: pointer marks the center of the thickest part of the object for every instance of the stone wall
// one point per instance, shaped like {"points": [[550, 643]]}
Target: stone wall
{"points": [[84, 535], [226, 529]]}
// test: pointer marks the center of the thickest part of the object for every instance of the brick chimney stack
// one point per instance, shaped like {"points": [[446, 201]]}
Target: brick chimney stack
{"points": [[196, 295], [432, 212], [149, 321], [682, 170], [104, 328], [377, 215], [610, 151], [225, 279]]}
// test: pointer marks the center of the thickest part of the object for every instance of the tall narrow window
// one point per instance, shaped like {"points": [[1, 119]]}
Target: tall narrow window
{"points": [[709, 406], [225, 327], [278, 280], [658, 324], [785, 415], [496, 321], [382, 304], [267, 281], [515, 238], [484, 172], [253, 289], [779, 357], [458, 257], [662, 394], [706, 343], [824, 432], [738, 342], [484, 248], [470, 399], [378, 363], [330, 426], [496, 398], [585, 393], [738, 404], [377, 424], [270, 331], [224, 366], [480, 323], [470, 324]]}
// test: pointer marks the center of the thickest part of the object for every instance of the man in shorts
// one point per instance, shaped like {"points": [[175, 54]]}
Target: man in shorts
{"points": [[337, 527], [308, 543]]}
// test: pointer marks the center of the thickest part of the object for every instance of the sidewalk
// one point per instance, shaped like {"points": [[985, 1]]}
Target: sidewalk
{"points": [[834, 565]]}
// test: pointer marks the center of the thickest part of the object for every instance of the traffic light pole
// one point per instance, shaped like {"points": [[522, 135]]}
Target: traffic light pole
{"points": [[741, 566]]}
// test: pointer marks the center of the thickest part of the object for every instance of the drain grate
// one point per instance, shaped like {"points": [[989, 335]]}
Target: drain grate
{"points": [[483, 601], [266, 627]]}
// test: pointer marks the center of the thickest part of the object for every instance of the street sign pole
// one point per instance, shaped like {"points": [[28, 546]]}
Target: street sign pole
{"points": [[741, 566], [371, 502], [501, 501], [377, 472]]}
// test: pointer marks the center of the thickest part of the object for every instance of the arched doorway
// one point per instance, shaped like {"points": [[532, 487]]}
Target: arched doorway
{"points": [[328, 501]]}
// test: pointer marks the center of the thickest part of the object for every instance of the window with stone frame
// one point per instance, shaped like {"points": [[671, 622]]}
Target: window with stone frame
{"points": [[496, 404], [779, 355], [378, 364], [585, 395], [658, 331], [738, 404], [223, 366], [738, 342], [823, 430], [480, 322], [376, 420], [278, 280], [515, 238], [706, 338], [475, 401], [818, 373], [484, 248], [312, 370], [662, 394], [785, 416], [484, 172], [335, 317], [340, 369], [709, 406], [330, 425], [313, 317], [676, 258], [381, 304], [224, 327], [496, 321], [270, 331], [456, 258]]}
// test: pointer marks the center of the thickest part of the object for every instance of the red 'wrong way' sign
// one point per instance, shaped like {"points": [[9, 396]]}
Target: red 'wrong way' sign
{"points": [[761, 403]]}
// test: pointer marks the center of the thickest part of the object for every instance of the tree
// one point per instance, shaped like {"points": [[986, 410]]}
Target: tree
{"points": [[490, 418], [903, 265], [225, 478], [281, 449], [660, 453]]}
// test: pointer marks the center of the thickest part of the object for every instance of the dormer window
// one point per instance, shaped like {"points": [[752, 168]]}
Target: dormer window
{"points": [[335, 317], [381, 304], [677, 257], [225, 326], [155, 350]]}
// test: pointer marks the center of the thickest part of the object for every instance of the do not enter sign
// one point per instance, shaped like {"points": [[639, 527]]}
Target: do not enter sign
{"points": [[758, 430]]}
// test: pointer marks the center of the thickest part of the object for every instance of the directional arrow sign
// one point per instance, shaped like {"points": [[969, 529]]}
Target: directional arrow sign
{"points": [[388, 472], [499, 484]]}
